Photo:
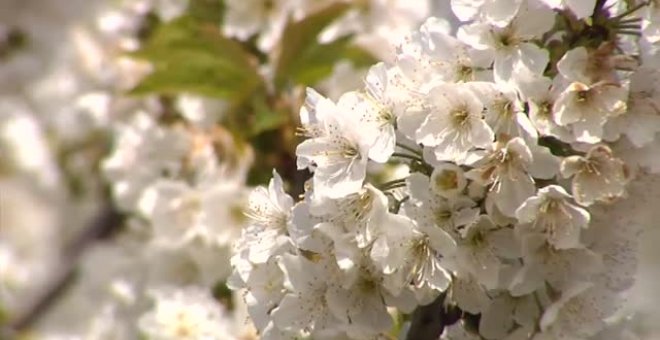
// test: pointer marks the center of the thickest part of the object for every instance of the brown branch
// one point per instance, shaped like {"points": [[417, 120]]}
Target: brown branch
{"points": [[102, 226], [428, 321]]}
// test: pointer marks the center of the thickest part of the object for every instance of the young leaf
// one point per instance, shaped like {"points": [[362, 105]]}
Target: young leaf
{"points": [[299, 38], [319, 59], [211, 11], [265, 117], [193, 57]]}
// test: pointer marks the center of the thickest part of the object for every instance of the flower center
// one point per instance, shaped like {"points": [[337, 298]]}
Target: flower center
{"points": [[367, 284], [446, 180], [464, 73], [582, 96], [545, 110], [350, 151], [460, 116]]}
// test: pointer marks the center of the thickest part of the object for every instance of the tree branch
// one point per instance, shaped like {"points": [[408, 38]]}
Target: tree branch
{"points": [[428, 321], [108, 220]]}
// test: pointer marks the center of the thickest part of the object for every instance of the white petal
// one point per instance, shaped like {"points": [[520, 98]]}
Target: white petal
{"points": [[533, 57], [500, 12], [545, 164], [481, 135], [513, 193], [469, 296], [466, 9], [581, 8], [496, 320], [573, 63]]}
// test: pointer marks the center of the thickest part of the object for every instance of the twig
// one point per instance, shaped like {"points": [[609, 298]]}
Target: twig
{"points": [[411, 157], [428, 321], [103, 225], [407, 148]]}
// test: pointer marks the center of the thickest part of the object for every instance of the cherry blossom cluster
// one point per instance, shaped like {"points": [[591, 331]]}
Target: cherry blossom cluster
{"points": [[183, 181], [519, 135], [175, 173]]}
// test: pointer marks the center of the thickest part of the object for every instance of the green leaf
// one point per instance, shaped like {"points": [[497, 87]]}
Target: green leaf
{"points": [[319, 59], [211, 11], [299, 42], [223, 294], [265, 117], [193, 57], [359, 56]]}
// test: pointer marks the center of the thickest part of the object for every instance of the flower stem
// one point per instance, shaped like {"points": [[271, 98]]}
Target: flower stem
{"points": [[428, 322], [629, 20], [411, 157], [393, 184], [630, 11], [407, 148]]}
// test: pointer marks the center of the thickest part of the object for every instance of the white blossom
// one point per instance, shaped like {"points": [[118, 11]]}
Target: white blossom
{"points": [[494, 12], [598, 176], [188, 313], [559, 268], [468, 294], [580, 312], [377, 111], [337, 150], [505, 169], [511, 45], [586, 108], [641, 122], [455, 124], [305, 305], [450, 59], [481, 248], [550, 213], [428, 208], [448, 180], [181, 214], [359, 303], [581, 8], [506, 312]]}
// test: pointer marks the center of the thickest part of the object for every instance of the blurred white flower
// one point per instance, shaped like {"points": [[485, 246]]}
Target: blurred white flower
{"points": [[580, 312], [598, 176], [184, 313], [550, 213]]}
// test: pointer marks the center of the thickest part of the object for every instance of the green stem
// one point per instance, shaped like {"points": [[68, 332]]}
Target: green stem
{"points": [[399, 203], [407, 148], [428, 322], [411, 157], [396, 183], [392, 187]]}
